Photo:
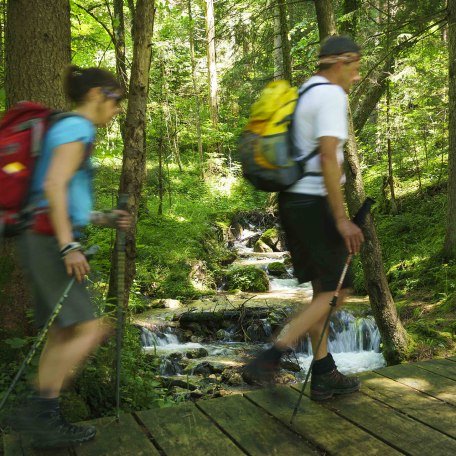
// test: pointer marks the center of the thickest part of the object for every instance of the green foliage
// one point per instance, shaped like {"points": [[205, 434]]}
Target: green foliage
{"points": [[247, 278]]}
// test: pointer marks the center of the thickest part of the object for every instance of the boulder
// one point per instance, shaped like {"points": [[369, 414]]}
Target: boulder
{"points": [[171, 303], [278, 269], [262, 247], [272, 239], [197, 353], [236, 230], [247, 278]]}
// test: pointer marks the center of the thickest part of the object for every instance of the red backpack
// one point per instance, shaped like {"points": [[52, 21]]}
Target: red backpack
{"points": [[22, 130]]}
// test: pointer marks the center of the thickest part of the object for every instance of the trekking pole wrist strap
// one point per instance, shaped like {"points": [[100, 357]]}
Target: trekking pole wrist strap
{"points": [[70, 247]]}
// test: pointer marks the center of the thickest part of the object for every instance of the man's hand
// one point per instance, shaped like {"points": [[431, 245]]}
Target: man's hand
{"points": [[76, 265], [352, 234]]}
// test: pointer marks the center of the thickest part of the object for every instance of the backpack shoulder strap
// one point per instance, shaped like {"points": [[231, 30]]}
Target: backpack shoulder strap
{"points": [[311, 86]]}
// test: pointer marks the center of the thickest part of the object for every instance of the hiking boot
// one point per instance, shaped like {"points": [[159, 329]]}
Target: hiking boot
{"points": [[41, 420], [56, 431], [263, 368], [325, 386]]}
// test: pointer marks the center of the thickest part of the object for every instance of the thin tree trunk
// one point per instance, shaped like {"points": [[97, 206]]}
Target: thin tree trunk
{"points": [[350, 24], [277, 51], [389, 149], [325, 18], [394, 336], [449, 247], [118, 28], [212, 66], [134, 155], [33, 72], [285, 40], [191, 34]]}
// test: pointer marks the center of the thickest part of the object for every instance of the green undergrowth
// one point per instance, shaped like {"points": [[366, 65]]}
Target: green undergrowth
{"points": [[422, 281]]}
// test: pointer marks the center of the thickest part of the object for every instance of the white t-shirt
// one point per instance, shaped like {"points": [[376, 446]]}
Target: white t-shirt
{"points": [[322, 111]]}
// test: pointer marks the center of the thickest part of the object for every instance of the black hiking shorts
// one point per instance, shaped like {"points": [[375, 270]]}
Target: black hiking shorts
{"points": [[317, 250], [47, 279]]}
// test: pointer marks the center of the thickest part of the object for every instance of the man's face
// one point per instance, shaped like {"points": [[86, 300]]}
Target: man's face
{"points": [[349, 74]]}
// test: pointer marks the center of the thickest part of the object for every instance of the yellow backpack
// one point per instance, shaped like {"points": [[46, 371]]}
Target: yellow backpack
{"points": [[268, 155]]}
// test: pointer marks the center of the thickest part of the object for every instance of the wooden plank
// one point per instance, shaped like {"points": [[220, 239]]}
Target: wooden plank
{"points": [[319, 425], [12, 445], [451, 358], [433, 384], [125, 438], [186, 430], [253, 429], [441, 367], [19, 445], [395, 429], [434, 413]]}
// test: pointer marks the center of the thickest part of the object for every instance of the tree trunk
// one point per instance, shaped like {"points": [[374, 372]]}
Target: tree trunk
{"points": [[325, 18], [389, 149], [211, 63], [118, 28], [394, 336], [134, 154], [191, 34], [33, 72], [449, 247], [350, 24], [282, 50]]}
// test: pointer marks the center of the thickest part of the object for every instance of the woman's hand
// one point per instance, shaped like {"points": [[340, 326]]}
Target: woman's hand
{"points": [[76, 265]]}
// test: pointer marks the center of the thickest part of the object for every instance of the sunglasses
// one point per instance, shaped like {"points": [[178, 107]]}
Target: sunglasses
{"points": [[117, 97]]}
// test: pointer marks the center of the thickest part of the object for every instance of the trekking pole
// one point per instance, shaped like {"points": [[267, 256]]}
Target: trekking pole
{"points": [[120, 247], [358, 219], [89, 253]]}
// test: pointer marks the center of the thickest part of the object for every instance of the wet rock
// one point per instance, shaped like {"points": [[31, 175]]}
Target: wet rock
{"points": [[197, 353], [236, 230], [187, 334], [235, 379], [278, 269], [196, 394], [252, 240], [221, 334], [262, 247], [207, 369], [196, 339], [259, 331], [170, 367]]}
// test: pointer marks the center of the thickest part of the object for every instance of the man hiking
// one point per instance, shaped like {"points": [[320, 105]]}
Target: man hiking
{"points": [[51, 252], [318, 232]]}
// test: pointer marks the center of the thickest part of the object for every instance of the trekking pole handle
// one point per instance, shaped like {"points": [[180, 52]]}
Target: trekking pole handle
{"points": [[361, 215]]}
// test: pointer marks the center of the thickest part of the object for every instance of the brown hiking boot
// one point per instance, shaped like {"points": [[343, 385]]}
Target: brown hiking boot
{"points": [[325, 386]]}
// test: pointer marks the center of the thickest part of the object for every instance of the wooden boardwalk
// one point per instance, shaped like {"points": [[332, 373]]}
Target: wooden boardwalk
{"points": [[407, 409]]}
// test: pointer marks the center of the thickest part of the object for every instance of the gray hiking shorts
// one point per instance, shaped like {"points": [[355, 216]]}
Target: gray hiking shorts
{"points": [[47, 279], [318, 251]]}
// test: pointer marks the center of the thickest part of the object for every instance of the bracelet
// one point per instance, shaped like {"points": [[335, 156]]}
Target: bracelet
{"points": [[70, 247]]}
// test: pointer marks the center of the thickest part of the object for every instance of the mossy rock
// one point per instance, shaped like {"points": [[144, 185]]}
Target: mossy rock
{"points": [[247, 278], [261, 247], [277, 269], [74, 407], [271, 238]]}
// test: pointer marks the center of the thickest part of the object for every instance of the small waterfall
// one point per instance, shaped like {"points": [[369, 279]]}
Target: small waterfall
{"points": [[348, 334], [158, 339]]}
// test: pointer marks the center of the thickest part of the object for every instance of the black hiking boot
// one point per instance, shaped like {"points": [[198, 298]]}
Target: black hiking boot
{"points": [[325, 386], [263, 368], [41, 421]]}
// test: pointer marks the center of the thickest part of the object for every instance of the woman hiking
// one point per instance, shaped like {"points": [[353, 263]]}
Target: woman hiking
{"points": [[51, 252]]}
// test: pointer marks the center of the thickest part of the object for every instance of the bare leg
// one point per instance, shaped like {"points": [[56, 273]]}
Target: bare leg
{"points": [[310, 320], [65, 349]]}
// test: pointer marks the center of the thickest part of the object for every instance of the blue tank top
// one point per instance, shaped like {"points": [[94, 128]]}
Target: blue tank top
{"points": [[80, 194]]}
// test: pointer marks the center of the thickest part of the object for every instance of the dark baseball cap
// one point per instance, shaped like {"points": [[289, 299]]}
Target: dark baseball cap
{"points": [[336, 45]]}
